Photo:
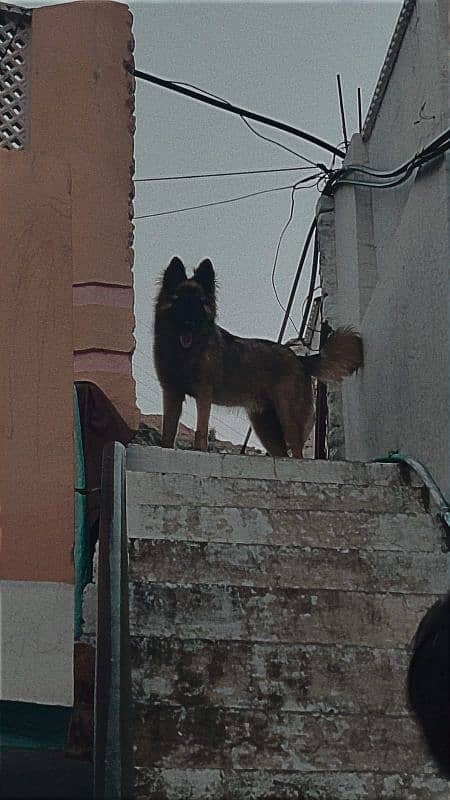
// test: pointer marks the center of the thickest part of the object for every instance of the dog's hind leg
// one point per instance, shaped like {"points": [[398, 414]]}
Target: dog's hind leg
{"points": [[294, 407], [172, 405], [268, 429]]}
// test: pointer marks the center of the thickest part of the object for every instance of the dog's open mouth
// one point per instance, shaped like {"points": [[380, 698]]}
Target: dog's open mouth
{"points": [[186, 340]]}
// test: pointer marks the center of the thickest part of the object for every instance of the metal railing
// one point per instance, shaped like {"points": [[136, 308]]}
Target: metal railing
{"points": [[434, 493]]}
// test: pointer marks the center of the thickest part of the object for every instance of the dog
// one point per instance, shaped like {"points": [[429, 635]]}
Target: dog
{"points": [[194, 356]]}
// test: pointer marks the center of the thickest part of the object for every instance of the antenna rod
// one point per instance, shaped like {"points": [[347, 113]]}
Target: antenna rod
{"points": [[359, 110], [341, 107]]}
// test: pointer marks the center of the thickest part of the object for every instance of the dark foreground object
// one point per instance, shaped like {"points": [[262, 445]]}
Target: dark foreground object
{"points": [[44, 774], [429, 681]]}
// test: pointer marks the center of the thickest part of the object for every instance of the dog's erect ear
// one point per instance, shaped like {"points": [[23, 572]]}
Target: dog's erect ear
{"points": [[174, 274], [205, 276]]}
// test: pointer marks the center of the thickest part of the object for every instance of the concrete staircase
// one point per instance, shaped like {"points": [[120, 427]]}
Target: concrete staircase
{"points": [[272, 603]]}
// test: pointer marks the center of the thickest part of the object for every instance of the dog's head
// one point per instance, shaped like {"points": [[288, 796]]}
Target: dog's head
{"points": [[189, 303]]}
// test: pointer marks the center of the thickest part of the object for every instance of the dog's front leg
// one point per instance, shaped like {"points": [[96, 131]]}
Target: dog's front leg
{"points": [[203, 411], [172, 405]]}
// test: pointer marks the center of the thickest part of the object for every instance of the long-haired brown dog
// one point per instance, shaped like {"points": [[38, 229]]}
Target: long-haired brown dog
{"points": [[195, 356]]}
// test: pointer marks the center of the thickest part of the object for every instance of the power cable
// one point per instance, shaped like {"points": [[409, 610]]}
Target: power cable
{"points": [[251, 128], [278, 144], [285, 227], [312, 284], [221, 174], [400, 174], [438, 145], [233, 109], [283, 232], [311, 231], [221, 202]]}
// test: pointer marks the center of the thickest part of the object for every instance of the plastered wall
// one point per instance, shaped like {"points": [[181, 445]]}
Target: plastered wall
{"points": [[82, 112], [391, 257], [66, 313]]}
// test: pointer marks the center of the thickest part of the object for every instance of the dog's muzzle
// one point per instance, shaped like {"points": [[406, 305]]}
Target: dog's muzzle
{"points": [[186, 340]]}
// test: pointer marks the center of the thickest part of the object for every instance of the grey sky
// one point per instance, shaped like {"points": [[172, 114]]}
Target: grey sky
{"points": [[280, 60], [277, 59]]}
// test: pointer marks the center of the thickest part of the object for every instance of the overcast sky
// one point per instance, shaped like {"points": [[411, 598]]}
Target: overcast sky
{"points": [[275, 58], [278, 59]]}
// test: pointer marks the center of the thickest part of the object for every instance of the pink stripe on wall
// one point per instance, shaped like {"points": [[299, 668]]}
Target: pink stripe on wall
{"points": [[102, 361], [102, 294]]}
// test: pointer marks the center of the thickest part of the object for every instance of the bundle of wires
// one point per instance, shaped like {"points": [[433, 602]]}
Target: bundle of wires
{"points": [[387, 179]]}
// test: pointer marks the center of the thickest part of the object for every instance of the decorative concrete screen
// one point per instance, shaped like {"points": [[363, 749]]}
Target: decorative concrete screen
{"points": [[15, 36]]}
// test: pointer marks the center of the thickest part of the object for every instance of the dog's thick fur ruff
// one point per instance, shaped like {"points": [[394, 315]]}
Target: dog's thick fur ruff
{"points": [[195, 356]]}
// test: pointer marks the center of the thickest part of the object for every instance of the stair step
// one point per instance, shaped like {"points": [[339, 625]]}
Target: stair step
{"points": [[272, 607], [279, 614], [187, 563], [267, 784], [145, 489], [284, 677], [216, 465], [221, 738], [412, 531]]}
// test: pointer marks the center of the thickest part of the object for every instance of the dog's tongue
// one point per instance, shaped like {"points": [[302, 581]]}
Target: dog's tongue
{"points": [[186, 340]]}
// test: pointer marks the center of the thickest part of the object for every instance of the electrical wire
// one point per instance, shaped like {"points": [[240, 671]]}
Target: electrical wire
{"points": [[400, 174], [215, 203], [435, 148], [212, 100], [283, 232], [312, 283], [250, 127], [298, 273], [285, 227], [223, 202], [278, 144], [311, 231], [221, 174]]}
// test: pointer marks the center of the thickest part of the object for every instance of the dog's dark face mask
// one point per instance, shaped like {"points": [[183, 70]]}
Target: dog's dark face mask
{"points": [[190, 302]]}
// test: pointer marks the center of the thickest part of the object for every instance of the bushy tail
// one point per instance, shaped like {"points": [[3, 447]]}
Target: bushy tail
{"points": [[341, 355]]}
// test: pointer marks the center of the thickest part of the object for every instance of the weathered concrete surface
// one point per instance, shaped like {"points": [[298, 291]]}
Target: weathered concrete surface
{"points": [[405, 532], [271, 612], [283, 677], [209, 736], [184, 563], [256, 493], [265, 615], [265, 784], [181, 462]]}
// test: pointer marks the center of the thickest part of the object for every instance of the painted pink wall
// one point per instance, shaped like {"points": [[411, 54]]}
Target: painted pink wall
{"points": [[36, 406], [82, 112], [66, 298]]}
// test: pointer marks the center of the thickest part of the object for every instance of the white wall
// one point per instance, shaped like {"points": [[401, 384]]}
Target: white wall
{"points": [[391, 262]]}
